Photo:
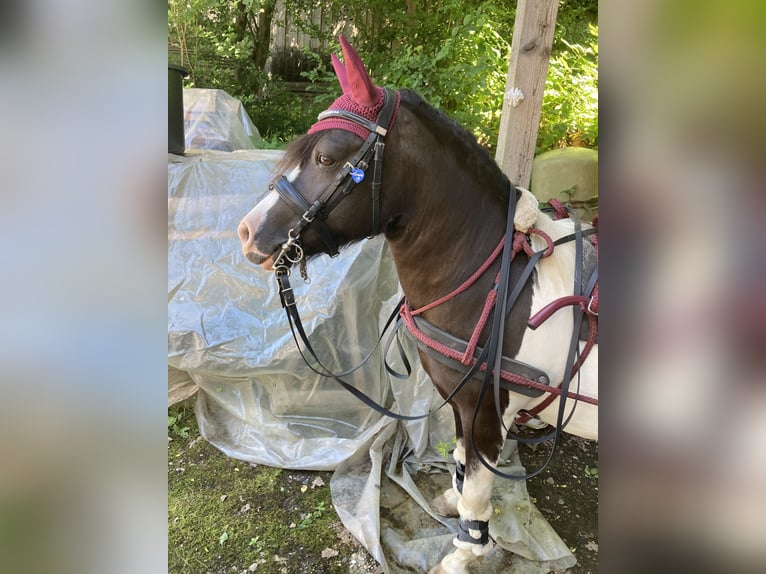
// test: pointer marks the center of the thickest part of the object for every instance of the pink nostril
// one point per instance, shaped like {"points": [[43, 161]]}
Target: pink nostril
{"points": [[244, 231]]}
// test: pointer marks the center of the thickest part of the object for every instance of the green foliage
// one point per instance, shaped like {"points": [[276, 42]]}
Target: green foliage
{"points": [[281, 115], [457, 59], [444, 448], [226, 516], [181, 431], [453, 52], [570, 102], [319, 511]]}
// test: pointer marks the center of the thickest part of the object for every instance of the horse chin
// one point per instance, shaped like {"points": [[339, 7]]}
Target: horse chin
{"points": [[265, 261], [268, 265]]}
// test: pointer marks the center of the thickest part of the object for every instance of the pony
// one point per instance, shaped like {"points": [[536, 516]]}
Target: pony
{"points": [[488, 276]]}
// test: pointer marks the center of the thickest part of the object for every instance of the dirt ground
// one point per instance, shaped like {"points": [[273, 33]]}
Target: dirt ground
{"points": [[566, 493], [226, 516]]}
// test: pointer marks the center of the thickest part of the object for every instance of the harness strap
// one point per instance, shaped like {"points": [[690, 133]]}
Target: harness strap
{"points": [[296, 328], [563, 391], [588, 305], [463, 534], [570, 368], [459, 475], [468, 282], [308, 213], [288, 302], [352, 117], [377, 172]]}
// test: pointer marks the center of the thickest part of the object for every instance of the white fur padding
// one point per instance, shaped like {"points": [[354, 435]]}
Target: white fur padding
{"points": [[477, 549], [466, 514], [527, 210]]}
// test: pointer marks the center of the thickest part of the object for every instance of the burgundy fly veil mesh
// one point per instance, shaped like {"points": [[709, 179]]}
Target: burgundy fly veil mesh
{"points": [[347, 103], [360, 95]]}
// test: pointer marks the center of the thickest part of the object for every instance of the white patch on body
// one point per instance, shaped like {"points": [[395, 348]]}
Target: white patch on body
{"points": [[547, 347], [255, 219]]}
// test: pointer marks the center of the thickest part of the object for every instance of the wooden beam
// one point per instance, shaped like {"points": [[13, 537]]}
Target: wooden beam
{"points": [[530, 52]]}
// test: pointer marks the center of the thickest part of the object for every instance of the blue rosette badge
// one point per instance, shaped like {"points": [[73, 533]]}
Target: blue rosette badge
{"points": [[357, 174]]}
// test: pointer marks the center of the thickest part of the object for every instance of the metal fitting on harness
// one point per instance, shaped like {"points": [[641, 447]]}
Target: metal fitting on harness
{"points": [[291, 244]]}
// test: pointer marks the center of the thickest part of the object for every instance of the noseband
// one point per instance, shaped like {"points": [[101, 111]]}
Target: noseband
{"points": [[353, 172]]}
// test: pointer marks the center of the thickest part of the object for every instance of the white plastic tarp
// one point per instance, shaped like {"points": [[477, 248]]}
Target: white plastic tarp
{"points": [[260, 403], [213, 119]]}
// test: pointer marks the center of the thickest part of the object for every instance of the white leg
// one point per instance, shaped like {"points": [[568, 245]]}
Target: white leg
{"points": [[446, 503], [475, 511]]}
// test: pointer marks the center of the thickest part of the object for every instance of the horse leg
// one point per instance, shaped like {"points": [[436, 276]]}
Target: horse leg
{"points": [[446, 503], [473, 505]]}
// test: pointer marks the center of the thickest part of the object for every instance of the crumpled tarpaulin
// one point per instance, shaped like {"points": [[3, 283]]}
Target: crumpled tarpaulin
{"points": [[259, 402], [213, 119]]}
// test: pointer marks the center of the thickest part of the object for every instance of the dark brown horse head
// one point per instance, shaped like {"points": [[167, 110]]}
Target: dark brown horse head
{"points": [[325, 196], [335, 189]]}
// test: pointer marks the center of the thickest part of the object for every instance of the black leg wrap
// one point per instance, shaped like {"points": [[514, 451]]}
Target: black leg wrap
{"points": [[481, 525], [459, 476]]}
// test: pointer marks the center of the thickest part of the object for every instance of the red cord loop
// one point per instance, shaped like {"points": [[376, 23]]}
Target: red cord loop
{"points": [[542, 235]]}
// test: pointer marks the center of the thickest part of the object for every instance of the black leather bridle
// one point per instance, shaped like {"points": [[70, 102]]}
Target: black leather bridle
{"points": [[353, 172]]}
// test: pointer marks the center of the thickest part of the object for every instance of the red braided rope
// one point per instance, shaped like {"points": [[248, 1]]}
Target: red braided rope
{"points": [[409, 321], [489, 303], [467, 358], [468, 282]]}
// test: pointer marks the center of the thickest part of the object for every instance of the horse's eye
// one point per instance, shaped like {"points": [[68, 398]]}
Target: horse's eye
{"points": [[325, 160]]}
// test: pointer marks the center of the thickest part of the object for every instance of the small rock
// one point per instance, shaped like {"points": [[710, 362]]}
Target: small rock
{"points": [[329, 553], [317, 482]]}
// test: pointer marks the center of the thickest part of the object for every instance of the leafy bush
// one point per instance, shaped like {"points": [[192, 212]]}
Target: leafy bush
{"points": [[457, 57], [453, 52], [461, 69], [281, 115], [570, 101]]}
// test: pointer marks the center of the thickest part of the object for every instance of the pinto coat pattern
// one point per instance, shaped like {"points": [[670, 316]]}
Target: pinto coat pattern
{"points": [[443, 205]]}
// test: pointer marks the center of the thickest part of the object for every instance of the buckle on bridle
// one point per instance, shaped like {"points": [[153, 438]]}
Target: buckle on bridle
{"points": [[291, 244]]}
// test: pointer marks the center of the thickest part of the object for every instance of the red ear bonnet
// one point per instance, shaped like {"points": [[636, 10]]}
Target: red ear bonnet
{"points": [[360, 95], [362, 90], [340, 71]]}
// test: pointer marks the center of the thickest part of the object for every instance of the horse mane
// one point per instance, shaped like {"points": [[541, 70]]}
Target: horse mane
{"points": [[297, 152], [463, 143], [448, 131]]}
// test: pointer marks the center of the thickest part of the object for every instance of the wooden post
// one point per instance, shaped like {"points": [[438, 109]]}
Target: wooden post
{"points": [[530, 52]]}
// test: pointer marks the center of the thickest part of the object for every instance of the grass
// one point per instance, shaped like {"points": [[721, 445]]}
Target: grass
{"points": [[226, 516]]}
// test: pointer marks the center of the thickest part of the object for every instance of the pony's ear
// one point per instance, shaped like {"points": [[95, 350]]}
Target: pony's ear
{"points": [[340, 71], [362, 90]]}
